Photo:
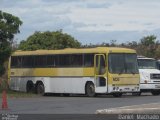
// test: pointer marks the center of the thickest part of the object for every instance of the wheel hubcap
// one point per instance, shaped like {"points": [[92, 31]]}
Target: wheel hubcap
{"points": [[40, 89], [91, 89]]}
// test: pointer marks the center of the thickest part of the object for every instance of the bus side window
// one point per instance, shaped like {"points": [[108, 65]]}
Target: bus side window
{"points": [[14, 62], [40, 61], [19, 63], [76, 60], [88, 60], [50, 61]]}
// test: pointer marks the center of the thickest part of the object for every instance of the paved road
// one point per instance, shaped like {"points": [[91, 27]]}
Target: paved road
{"points": [[73, 105]]}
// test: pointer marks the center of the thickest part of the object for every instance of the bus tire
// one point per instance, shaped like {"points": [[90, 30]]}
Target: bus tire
{"points": [[30, 87], [40, 89], [117, 94], [155, 92], [90, 89]]}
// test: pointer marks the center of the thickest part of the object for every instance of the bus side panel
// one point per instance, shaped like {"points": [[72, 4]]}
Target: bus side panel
{"points": [[53, 84], [68, 84]]}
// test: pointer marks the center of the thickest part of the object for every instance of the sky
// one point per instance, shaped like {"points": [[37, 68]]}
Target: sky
{"points": [[88, 21]]}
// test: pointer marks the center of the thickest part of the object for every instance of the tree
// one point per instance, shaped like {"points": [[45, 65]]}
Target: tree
{"points": [[49, 40], [157, 53], [113, 43], [148, 46], [9, 26], [148, 40]]}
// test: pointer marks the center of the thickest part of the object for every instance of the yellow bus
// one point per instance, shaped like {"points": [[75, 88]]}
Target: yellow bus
{"points": [[90, 71]]}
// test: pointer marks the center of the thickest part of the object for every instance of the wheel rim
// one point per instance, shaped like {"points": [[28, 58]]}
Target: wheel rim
{"points": [[41, 89], [90, 89], [29, 87]]}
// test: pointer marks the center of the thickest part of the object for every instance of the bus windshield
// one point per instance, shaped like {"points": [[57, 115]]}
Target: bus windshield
{"points": [[123, 63], [147, 64]]}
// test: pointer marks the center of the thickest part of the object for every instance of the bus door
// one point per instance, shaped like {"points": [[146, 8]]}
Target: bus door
{"points": [[100, 73]]}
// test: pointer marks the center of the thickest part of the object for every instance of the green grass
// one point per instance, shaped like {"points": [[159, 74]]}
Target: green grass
{"points": [[17, 94]]}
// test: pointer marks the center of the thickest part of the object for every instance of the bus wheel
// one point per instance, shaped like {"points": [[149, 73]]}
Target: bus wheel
{"points": [[155, 92], [117, 94], [90, 89], [30, 87], [40, 88]]}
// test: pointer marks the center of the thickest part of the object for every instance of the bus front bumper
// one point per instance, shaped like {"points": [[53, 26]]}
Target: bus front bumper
{"points": [[124, 89]]}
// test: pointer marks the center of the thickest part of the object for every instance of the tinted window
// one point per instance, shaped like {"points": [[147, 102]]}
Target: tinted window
{"points": [[50, 60], [40, 61], [131, 63], [123, 63], [27, 61], [76, 60], [88, 60], [16, 61], [116, 63]]}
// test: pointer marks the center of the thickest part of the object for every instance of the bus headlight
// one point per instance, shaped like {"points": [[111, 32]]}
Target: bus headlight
{"points": [[115, 88]]}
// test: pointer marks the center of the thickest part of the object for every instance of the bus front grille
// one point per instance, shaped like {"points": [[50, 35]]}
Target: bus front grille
{"points": [[155, 76]]}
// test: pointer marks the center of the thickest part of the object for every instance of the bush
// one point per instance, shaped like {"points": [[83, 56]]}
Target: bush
{"points": [[3, 85]]}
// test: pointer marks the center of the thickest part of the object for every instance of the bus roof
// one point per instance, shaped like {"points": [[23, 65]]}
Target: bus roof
{"points": [[76, 50]]}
